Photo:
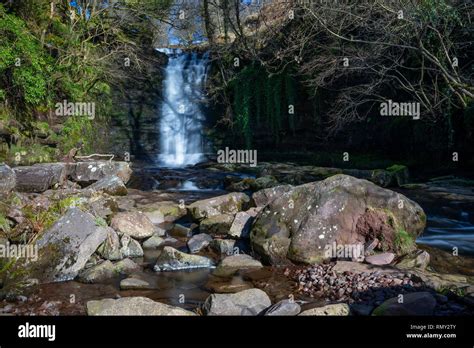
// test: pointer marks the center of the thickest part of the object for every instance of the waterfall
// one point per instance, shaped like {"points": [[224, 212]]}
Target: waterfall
{"points": [[181, 141]]}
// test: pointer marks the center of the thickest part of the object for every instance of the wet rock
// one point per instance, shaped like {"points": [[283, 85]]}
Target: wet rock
{"points": [[400, 175], [111, 185], [130, 247], [223, 246], [339, 309], [133, 306], [7, 179], [361, 309], [134, 224], [66, 247], [126, 266], [284, 307], [180, 231], [159, 212], [265, 196], [228, 287], [98, 273], [199, 242], [231, 264], [380, 259], [242, 185], [87, 173], [40, 177], [240, 227], [247, 302], [171, 259], [301, 223], [154, 242], [418, 303], [110, 248], [264, 182], [420, 259], [134, 284], [230, 204], [440, 281], [217, 224]]}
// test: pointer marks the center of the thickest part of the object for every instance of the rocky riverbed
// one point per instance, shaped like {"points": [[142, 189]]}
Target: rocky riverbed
{"points": [[221, 240]]}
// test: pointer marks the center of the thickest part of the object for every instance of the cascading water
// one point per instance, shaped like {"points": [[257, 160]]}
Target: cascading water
{"points": [[181, 110]]}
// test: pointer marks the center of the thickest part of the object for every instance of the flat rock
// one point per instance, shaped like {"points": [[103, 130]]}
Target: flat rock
{"points": [[171, 259], [134, 224], [339, 309], [134, 284], [231, 264], [138, 306], [90, 172], [230, 204], [40, 177], [380, 259], [247, 302]]}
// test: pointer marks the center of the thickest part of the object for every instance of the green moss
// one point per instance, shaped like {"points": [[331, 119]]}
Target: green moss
{"points": [[404, 242], [396, 168]]}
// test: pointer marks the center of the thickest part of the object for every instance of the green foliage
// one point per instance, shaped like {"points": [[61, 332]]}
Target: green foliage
{"points": [[262, 99], [404, 242]]}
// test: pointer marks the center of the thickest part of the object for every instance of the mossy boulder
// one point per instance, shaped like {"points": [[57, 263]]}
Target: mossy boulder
{"points": [[303, 223]]}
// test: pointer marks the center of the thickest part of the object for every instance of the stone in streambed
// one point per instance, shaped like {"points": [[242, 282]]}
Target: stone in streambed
{"points": [[134, 224], [134, 284], [159, 212], [380, 259], [284, 308], [171, 259], [98, 273], [153, 242], [133, 306], [217, 225], [418, 303], [231, 264], [223, 246], [126, 266], [339, 309], [110, 248], [247, 302], [240, 227], [228, 287], [420, 259], [130, 247], [199, 242], [226, 204], [180, 231], [111, 185]]}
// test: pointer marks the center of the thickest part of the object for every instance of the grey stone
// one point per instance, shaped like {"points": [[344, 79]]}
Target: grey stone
{"points": [[246, 302]]}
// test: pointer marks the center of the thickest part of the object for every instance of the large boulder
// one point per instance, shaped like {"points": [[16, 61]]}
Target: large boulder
{"points": [[134, 224], [7, 179], [418, 303], [66, 247], [246, 302], [303, 223], [133, 306], [87, 173], [40, 177], [226, 204], [265, 196], [171, 259]]}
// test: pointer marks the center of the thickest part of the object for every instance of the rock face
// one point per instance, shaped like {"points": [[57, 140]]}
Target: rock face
{"points": [[226, 204], [171, 259], [40, 177], [418, 303], [247, 302], [66, 247], [133, 306], [111, 185], [339, 309], [304, 222], [7, 179], [232, 264], [134, 224]]}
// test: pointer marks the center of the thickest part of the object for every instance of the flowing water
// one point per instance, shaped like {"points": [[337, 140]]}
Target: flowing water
{"points": [[180, 128]]}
